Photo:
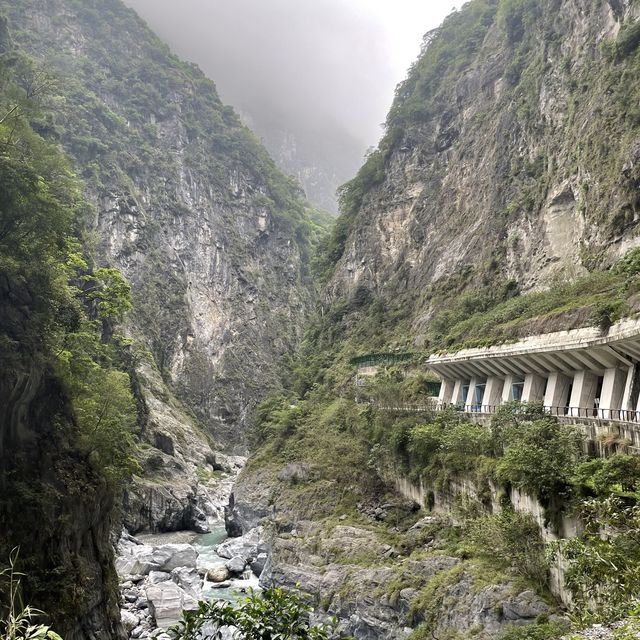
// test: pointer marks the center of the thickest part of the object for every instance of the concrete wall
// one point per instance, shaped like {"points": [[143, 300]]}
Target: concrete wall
{"points": [[445, 501]]}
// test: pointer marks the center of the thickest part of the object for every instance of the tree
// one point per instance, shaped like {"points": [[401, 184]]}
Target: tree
{"points": [[274, 614], [604, 560]]}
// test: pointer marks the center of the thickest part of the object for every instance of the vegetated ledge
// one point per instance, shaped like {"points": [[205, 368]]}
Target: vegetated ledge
{"points": [[587, 337], [479, 319]]}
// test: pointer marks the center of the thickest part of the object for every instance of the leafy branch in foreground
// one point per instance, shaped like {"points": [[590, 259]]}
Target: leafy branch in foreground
{"points": [[17, 620], [273, 614]]}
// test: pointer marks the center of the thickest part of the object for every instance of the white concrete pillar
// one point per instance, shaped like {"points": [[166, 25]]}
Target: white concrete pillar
{"points": [[533, 390], [493, 392], [506, 391], [583, 394], [446, 392], [456, 396], [556, 397], [612, 391], [627, 402], [470, 400]]}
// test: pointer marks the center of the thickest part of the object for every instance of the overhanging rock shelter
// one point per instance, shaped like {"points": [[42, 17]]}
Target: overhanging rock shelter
{"points": [[577, 374]]}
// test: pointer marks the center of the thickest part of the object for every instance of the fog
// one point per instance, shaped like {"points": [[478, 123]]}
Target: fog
{"points": [[323, 69]]}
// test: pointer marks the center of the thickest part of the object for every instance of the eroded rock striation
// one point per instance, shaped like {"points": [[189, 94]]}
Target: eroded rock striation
{"points": [[511, 154], [186, 203]]}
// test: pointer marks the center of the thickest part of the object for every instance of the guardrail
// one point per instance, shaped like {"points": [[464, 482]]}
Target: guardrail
{"points": [[594, 413], [373, 359]]}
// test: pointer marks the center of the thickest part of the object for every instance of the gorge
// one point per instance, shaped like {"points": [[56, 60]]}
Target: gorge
{"points": [[171, 304]]}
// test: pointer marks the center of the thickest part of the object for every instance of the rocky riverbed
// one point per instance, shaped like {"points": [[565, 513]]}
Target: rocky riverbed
{"points": [[162, 575]]}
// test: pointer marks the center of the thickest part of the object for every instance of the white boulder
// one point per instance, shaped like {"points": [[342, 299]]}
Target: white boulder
{"points": [[167, 601]]}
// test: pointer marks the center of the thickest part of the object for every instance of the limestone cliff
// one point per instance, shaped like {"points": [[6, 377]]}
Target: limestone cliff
{"points": [[511, 153], [510, 161], [185, 202]]}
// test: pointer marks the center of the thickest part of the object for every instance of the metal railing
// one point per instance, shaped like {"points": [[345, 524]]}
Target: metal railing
{"points": [[590, 413], [374, 359], [593, 413]]}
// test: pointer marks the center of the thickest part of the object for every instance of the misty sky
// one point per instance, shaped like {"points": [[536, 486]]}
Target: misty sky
{"points": [[313, 60]]}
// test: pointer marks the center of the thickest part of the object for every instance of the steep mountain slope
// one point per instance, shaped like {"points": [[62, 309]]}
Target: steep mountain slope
{"points": [[213, 238], [511, 154], [501, 197], [67, 413], [170, 188], [322, 157]]}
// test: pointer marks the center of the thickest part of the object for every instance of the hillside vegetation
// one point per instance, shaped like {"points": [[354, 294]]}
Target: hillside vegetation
{"points": [[67, 413], [517, 122]]}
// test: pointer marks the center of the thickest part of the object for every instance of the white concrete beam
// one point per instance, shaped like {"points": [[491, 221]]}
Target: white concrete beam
{"points": [[616, 356], [510, 367], [553, 363], [499, 365], [630, 348], [588, 362], [572, 363], [528, 365]]}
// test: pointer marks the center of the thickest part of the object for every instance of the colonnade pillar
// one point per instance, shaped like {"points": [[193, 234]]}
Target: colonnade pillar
{"points": [[613, 386], [583, 394], [445, 396], [557, 395], [533, 390], [493, 391]]}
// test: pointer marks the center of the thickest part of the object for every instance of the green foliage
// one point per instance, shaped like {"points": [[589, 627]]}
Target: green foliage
{"points": [[484, 318], [513, 538], [629, 629], [447, 446], [620, 473], [276, 418], [628, 40], [65, 441], [112, 292], [17, 620], [543, 631], [274, 614], [629, 264], [124, 87], [604, 560], [517, 18], [539, 453], [447, 52], [429, 602]]}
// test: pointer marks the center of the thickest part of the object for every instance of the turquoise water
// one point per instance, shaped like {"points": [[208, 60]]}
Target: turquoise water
{"points": [[205, 545]]}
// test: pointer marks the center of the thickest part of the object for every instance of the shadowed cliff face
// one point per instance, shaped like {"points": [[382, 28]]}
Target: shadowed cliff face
{"points": [[186, 203], [56, 507], [511, 153]]}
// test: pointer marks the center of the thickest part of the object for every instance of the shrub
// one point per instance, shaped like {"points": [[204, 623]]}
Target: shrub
{"points": [[274, 614], [539, 456], [604, 561], [514, 538], [545, 631], [618, 473]]}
